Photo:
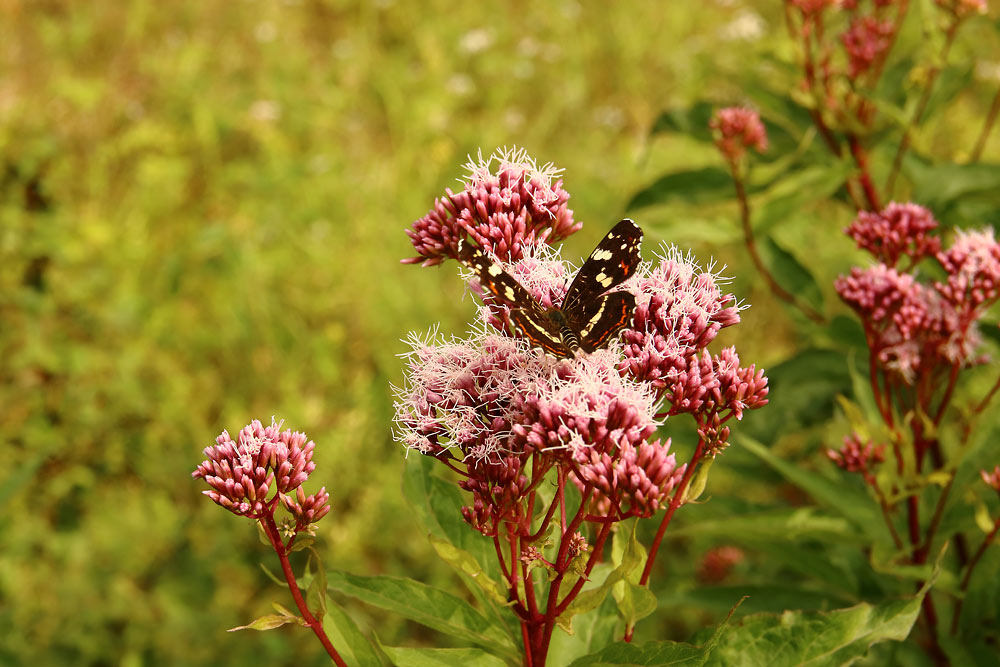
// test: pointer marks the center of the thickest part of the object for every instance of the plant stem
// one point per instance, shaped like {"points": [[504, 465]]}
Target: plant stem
{"points": [[751, 245], [271, 529], [968, 575], [991, 119], [861, 159]]}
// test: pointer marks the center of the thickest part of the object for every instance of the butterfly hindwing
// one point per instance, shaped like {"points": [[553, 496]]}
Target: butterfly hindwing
{"points": [[538, 330], [610, 314]]}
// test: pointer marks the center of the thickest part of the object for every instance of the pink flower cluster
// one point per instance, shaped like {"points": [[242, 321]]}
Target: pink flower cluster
{"points": [[917, 329], [898, 230], [856, 455], [491, 404], [242, 473], [736, 130], [507, 201], [865, 42]]}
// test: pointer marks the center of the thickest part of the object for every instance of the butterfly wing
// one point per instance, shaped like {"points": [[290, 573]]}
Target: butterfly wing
{"points": [[605, 318], [526, 315], [614, 259]]}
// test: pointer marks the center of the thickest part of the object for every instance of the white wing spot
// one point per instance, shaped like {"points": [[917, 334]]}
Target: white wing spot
{"points": [[508, 293], [601, 255], [495, 270], [604, 279], [593, 320]]}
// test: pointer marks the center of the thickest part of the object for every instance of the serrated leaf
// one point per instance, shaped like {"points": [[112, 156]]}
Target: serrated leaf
{"points": [[269, 622], [815, 638], [429, 606]]}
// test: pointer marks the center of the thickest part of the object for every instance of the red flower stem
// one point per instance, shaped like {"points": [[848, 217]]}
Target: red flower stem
{"points": [[952, 379], [986, 399], [964, 586], [861, 159], [991, 119], [751, 245], [503, 565], [675, 502], [545, 520], [279, 547], [925, 97], [938, 514]]}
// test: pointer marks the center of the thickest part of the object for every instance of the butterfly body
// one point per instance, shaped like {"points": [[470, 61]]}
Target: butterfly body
{"points": [[590, 315]]}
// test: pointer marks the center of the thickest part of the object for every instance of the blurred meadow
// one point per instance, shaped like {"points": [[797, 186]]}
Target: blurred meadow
{"points": [[202, 213]]}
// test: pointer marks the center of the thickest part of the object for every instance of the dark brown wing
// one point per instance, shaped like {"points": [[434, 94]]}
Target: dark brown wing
{"points": [[614, 259], [609, 314]]}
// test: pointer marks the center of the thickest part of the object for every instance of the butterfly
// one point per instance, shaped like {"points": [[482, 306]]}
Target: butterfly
{"points": [[590, 315]]}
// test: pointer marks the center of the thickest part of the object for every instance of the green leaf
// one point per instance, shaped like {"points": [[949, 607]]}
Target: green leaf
{"points": [[269, 622], [816, 638], [348, 639], [793, 525], [635, 602], [592, 631], [316, 594], [426, 605], [804, 391], [468, 566], [793, 193], [842, 498], [767, 598], [441, 657], [939, 185], [691, 121], [694, 186], [655, 653], [790, 273]]}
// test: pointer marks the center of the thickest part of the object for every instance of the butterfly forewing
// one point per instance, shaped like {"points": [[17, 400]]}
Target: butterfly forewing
{"points": [[589, 317], [614, 259]]}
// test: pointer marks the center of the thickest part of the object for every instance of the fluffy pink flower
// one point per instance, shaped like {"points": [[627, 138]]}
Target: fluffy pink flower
{"points": [[736, 130], [508, 200], [866, 41], [898, 230]]}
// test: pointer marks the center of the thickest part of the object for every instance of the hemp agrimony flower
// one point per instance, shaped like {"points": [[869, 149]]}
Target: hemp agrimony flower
{"points": [[513, 422]]}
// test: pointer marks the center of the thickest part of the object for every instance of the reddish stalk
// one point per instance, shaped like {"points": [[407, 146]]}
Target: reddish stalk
{"points": [[861, 159], [964, 586], [751, 245], [271, 530]]}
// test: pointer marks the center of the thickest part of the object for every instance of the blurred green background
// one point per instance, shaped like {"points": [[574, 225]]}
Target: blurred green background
{"points": [[202, 208]]}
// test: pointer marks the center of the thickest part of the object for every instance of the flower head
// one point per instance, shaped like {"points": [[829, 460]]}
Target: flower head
{"points": [[898, 230], [736, 130], [857, 456], [508, 200], [865, 42], [242, 472]]}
